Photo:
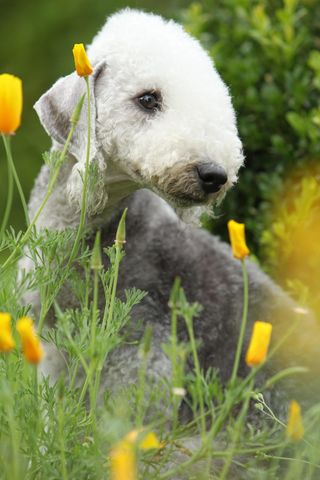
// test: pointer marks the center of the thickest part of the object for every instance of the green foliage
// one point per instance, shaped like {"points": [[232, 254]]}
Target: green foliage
{"points": [[291, 244], [267, 52], [69, 428]]}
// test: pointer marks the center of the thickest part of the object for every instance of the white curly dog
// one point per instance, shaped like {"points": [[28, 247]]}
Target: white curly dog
{"points": [[166, 145]]}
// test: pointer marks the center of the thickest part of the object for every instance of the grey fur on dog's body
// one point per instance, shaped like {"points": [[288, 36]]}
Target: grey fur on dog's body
{"points": [[159, 248]]}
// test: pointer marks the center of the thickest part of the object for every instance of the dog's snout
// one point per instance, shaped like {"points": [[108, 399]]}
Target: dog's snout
{"points": [[212, 177]]}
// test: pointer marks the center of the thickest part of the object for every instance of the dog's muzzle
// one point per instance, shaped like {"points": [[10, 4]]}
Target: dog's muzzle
{"points": [[192, 184]]}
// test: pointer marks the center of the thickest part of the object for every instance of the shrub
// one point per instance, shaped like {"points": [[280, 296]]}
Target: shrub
{"points": [[267, 53]]}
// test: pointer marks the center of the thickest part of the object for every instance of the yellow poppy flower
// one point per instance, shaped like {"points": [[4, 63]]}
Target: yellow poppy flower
{"points": [[6, 340], [295, 429], [123, 459], [238, 240], [31, 346], [146, 442], [81, 61], [10, 103], [123, 462], [259, 343]]}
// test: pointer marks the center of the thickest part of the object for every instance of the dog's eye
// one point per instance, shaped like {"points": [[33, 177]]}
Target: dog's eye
{"points": [[150, 101]]}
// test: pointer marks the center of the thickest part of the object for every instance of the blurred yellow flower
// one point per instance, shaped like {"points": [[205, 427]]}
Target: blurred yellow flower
{"points": [[123, 462], [81, 61], [122, 457], [31, 346], [295, 429], [10, 103], [146, 442], [6, 340], [259, 343], [238, 240]]}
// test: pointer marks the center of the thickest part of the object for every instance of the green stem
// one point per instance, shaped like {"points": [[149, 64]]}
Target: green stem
{"points": [[75, 247], [25, 237], [107, 317], [14, 441], [141, 391], [8, 402], [188, 319], [61, 439], [93, 359], [114, 284], [9, 201], [236, 433], [175, 375], [243, 323], [93, 353], [7, 146], [43, 310]]}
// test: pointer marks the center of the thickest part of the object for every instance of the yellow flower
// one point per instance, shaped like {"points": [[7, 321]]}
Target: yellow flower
{"points": [[31, 346], [295, 429], [10, 103], [123, 462], [123, 459], [81, 60], [6, 341], [146, 442], [238, 240], [259, 343]]}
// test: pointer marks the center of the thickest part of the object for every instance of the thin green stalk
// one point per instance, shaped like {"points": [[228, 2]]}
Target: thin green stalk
{"points": [[197, 368], [43, 310], [75, 247], [107, 295], [7, 400], [25, 237], [61, 440], [176, 400], [7, 146], [114, 283], [9, 201], [94, 312], [243, 323], [93, 358], [14, 440], [108, 310], [236, 434], [141, 391], [93, 353]]}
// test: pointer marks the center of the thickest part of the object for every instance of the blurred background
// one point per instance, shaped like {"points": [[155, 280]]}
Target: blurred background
{"points": [[268, 52]]}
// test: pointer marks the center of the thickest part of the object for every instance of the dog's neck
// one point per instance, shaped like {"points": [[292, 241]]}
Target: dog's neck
{"points": [[117, 186]]}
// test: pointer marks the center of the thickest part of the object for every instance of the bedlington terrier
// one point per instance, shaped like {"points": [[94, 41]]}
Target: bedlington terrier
{"points": [[165, 141]]}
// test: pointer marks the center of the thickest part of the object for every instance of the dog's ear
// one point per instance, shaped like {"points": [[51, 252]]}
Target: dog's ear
{"points": [[55, 108]]}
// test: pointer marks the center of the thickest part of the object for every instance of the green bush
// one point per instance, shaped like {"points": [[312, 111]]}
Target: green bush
{"points": [[267, 53]]}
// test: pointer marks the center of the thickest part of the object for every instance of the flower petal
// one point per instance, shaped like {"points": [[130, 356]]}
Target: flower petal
{"points": [[31, 346], [259, 343], [7, 342], [295, 428], [10, 103], [81, 61], [237, 239]]}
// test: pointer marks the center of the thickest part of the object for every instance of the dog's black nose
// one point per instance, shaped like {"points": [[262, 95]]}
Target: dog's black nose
{"points": [[211, 177]]}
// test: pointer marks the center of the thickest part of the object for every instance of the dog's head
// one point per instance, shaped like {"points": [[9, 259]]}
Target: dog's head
{"points": [[160, 112]]}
